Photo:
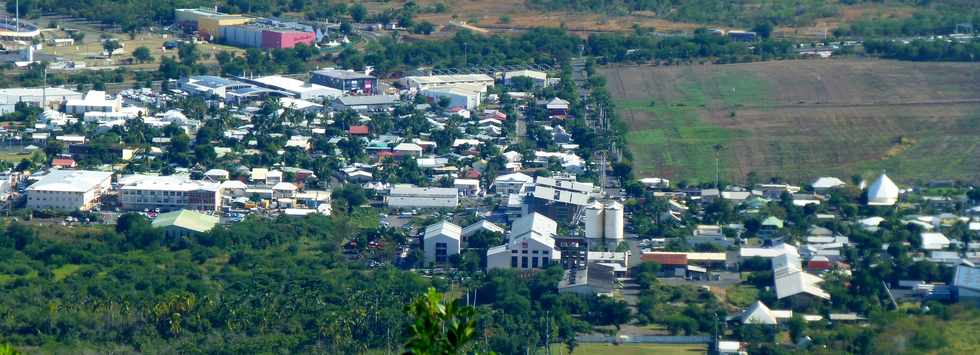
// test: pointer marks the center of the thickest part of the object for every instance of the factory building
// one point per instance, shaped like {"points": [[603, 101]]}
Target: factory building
{"points": [[268, 33], [208, 23]]}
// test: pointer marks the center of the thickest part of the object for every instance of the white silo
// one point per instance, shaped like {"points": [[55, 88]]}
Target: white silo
{"points": [[614, 221], [593, 220]]}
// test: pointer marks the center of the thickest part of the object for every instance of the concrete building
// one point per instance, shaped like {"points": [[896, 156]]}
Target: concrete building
{"points": [[268, 33], [559, 199], [593, 280], [52, 97], [540, 79], [409, 196], [347, 81], [183, 223], [420, 83], [69, 190], [374, 103], [168, 193], [531, 245], [441, 241], [794, 284], [210, 85], [93, 101], [515, 183], [457, 96]]}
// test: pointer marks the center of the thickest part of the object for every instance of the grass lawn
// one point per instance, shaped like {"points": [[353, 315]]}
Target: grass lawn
{"points": [[677, 136], [64, 271], [14, 157], [638, 349], [742, 295]]}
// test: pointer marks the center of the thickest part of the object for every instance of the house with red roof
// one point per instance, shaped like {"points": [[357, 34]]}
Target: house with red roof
{"points": [[360, 130], [63, 163]]}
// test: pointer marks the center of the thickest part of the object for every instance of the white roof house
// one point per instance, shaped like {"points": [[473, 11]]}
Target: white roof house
{"points": [[790, 279], [531, 245], [440, 241], [882, 192], [69, 181], [934, 241], [482, 225], [758, 313], [408, 196], [826, 183]]}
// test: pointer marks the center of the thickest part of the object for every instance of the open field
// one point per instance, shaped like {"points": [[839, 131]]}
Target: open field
{"points": [[802, 119], [638, 349]]}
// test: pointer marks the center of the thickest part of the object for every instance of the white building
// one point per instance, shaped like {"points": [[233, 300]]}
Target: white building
{"points": [[538, 78], [69, 190], [826, 183], [94, 100], [420, 83], [52, 97], [515, 183], [458, 96], [441, 241], [934, 241], [168, 193], [296, 88], [792, 282], [531, 245], [882, 192], [409, 196], [210, 85]]}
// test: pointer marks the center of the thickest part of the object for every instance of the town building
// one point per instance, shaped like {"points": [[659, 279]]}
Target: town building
{"points": [[68, 190], [184, 223], [882, 192], [441, 241], [409, 196], [206, 22], [604, 221], [168, 193], [420, 83], [540, 79], [531, 245], [52, 97], [515, 183], [93, 100], [294, 87], [211, 86], [374, 103], [966, 283], [268, 34], [464, 97], [559, 199], [347, 81], [594, 280]]}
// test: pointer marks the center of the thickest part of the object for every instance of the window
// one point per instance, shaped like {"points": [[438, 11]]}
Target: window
{"points": [[534, 262], [534, 252], [544, 262], [513, 261], [524, 262], [523, 251]]}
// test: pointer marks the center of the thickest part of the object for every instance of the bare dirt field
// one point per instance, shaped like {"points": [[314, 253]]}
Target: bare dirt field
{"points": [[802, 119]]}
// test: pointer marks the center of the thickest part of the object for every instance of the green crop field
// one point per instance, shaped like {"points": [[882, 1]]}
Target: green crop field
{"points": [[802, 119]]}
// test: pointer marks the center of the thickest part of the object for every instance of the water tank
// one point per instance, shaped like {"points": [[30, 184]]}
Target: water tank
{"points": [[593, 220], [614, 221]]}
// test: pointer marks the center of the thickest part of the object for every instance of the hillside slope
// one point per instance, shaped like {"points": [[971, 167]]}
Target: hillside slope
{"points": [[802, 119]]}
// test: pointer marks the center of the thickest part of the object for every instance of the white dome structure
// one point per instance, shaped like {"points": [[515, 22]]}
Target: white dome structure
{"points": [[882, 192]]}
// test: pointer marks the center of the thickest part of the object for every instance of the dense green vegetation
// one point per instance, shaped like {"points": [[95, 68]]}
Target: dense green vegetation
{"points": [[922, 50]]}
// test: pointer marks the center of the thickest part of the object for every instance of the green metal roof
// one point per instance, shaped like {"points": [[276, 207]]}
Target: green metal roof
{"points": [[190, 220], [773, 221]]}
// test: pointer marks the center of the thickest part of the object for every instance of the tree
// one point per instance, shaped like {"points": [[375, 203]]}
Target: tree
{"points": [[142, 54], [358, 12], [763, 29], [439, 328], [424, 27], [109, 46]]}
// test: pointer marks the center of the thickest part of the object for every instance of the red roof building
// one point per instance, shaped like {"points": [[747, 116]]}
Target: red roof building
{"points": [[665, 258], [63, 163], [819, 263], [359, 130], [472, 174]]}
